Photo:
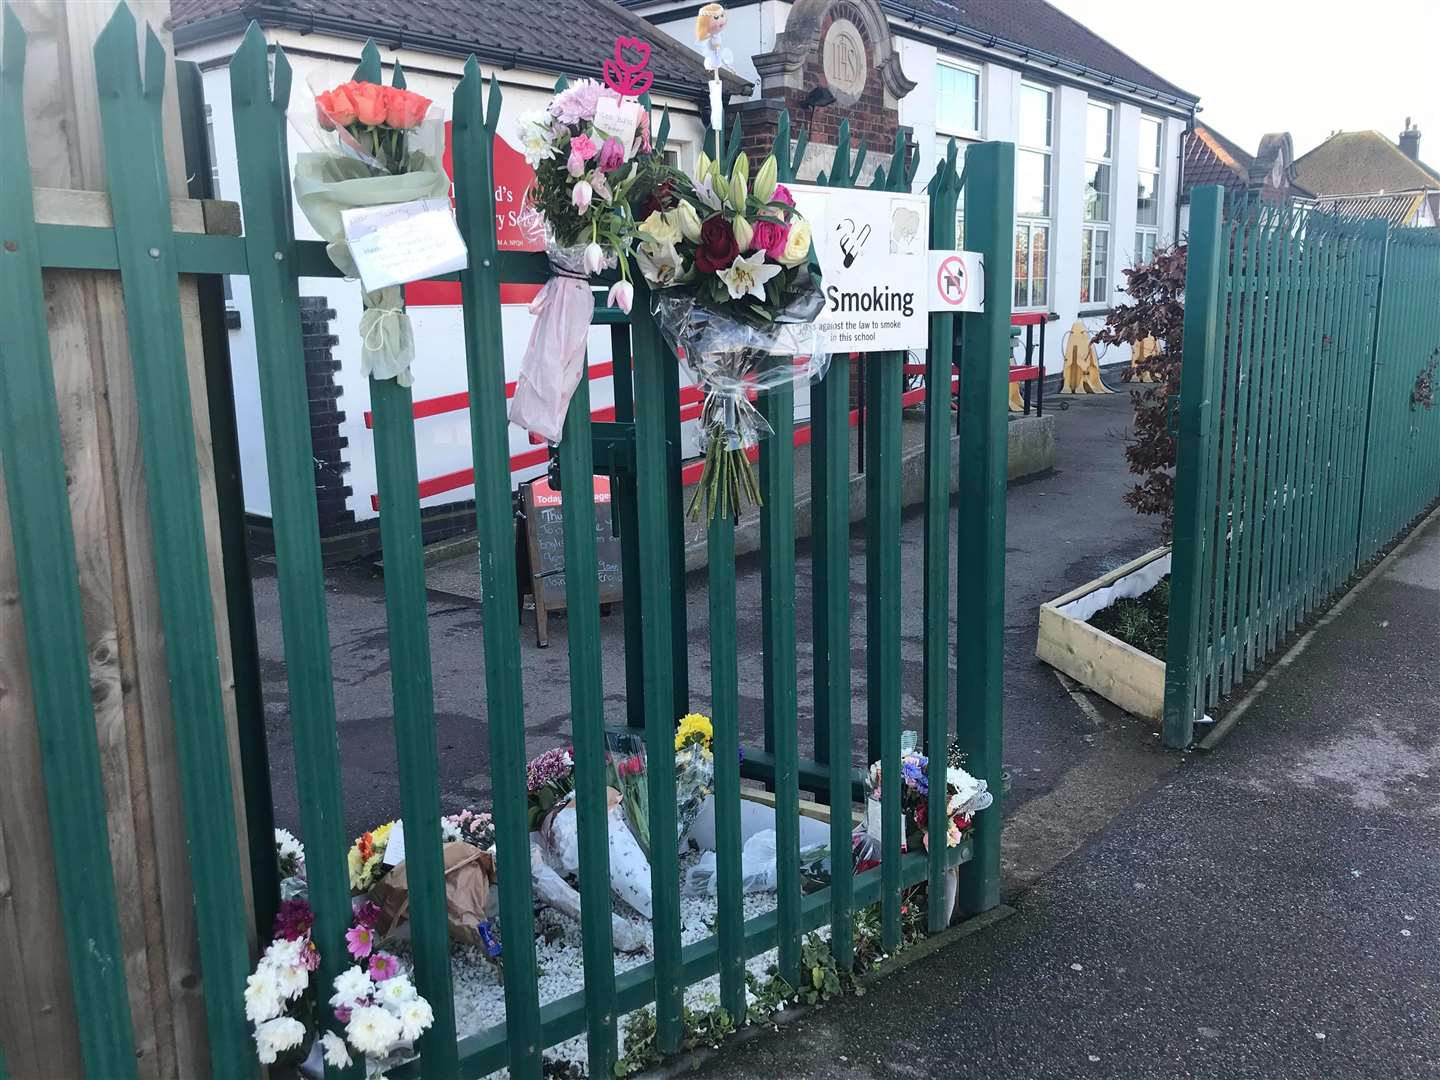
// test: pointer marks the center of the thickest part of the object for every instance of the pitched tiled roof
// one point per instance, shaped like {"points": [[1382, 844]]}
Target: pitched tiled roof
{"points": [[1210, 158], [1362, 162], [1036, 28], [1396, 209], [569, 37]]}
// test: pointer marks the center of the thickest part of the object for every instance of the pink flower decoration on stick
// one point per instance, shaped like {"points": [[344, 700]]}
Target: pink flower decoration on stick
{"points": [[627, 77]]}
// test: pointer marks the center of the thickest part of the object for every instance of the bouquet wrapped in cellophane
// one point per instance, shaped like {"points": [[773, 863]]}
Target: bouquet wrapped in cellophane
{"points": [[374, 146], [738, 292], [587, 148]]}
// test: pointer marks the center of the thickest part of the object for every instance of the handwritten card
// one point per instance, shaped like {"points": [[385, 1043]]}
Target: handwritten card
{"points": [[618, 119], [403, 242]]}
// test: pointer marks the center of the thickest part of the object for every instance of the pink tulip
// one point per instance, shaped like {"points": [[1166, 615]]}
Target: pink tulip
{"points": [[594, 258], [622, 295], [581, 196]]}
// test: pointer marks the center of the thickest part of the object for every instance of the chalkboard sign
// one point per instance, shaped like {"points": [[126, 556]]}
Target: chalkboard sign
{"points": [[545, 548]]}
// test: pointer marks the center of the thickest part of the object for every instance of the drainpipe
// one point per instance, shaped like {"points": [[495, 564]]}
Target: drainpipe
{"points": [[1180, 181]]}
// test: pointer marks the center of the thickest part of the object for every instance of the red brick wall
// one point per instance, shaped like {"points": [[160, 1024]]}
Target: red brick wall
{"points": [[869, 118]]}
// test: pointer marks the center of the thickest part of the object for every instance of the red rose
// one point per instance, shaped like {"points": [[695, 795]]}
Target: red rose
{"points": [[717, 245]]}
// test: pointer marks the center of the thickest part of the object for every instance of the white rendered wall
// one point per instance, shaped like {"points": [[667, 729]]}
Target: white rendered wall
{"points": [[442, 442]]}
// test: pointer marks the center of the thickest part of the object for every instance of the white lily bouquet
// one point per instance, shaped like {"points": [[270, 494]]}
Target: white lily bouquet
{"points": [[739, 290]]}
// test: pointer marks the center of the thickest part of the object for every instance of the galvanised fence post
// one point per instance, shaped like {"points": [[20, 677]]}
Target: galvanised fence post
{"points": [[1192, 456]]}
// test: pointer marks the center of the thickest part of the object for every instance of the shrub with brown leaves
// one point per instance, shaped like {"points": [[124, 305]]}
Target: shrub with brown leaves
{"points": [[1156, 307]]}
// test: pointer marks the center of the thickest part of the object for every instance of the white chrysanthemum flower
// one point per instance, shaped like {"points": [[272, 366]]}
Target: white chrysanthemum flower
{"points": [[372, 1030], [282, 953], [449, 831], [351, 985], [415, 1017], [273, 1036], [536, 139], [287, 846], [337, 1054], [291, 980], [262, 995], [397, 991]]}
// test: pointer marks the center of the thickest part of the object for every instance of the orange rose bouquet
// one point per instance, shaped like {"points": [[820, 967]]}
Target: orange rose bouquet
{"points": [[376, 124], [375, 167]]}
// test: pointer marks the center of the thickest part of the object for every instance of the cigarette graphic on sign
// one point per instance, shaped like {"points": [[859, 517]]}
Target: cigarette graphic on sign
{"points": [[850, 241]]}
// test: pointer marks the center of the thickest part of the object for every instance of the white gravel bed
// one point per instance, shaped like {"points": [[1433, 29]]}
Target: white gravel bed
{"points": [[480, 998]]}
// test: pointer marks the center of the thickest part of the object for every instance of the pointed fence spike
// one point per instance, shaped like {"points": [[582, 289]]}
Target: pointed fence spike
{"points": [[280, 98], [561, 83], [662, 133], [369, 68], [12, 61], [797, 156], [492, 110], [840, 164], [117, 67], [397, 78], [860, 153], [155, 64], [880, 183]]}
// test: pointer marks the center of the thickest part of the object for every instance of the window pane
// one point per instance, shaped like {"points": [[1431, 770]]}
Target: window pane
{"points": [[1097, 192], [1098, 119], [1100, 268], [957, 99], [1149, 143], [1034, 116], [1086, 253], [1147, 207], [1039, 265], [1022, 248], [1032, 184]]}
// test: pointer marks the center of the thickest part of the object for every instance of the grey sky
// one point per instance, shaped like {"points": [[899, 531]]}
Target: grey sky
{"points": [[1303, 66]]}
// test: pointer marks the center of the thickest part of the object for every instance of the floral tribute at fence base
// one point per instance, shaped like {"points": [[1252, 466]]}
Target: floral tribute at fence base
{"points": [[374, 1011]]}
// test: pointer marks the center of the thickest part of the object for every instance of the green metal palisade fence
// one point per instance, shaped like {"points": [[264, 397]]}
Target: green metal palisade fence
{"points": [[639, 449], [1301, 453]]}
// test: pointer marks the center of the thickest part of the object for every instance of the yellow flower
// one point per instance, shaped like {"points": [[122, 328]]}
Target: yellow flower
{"points": [[365, 855], [797, 244], [694, 728], [661, 228]]}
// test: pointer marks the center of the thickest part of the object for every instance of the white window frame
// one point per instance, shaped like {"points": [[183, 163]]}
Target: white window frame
{"points": [[1032, 224], [1147, 236], [1095, 231], [942, 127]]}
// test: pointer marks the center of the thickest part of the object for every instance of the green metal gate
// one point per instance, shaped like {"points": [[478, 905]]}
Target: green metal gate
{"points": [[640, 447], [1301, 451]]}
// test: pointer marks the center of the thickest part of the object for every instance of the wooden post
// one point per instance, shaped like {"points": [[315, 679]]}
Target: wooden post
{"points": [[108, 505]]}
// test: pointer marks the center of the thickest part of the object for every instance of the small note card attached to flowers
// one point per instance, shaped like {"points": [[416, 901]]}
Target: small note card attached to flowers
{"points": [[403, 242], [617, 118]]}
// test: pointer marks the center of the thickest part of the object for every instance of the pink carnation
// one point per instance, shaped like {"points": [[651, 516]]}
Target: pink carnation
{"points": [[584, 146], [782, 194], [577, 102]]}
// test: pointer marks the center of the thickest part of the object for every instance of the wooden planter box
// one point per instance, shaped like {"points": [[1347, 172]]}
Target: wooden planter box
{"points": [[1116, 671]]}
